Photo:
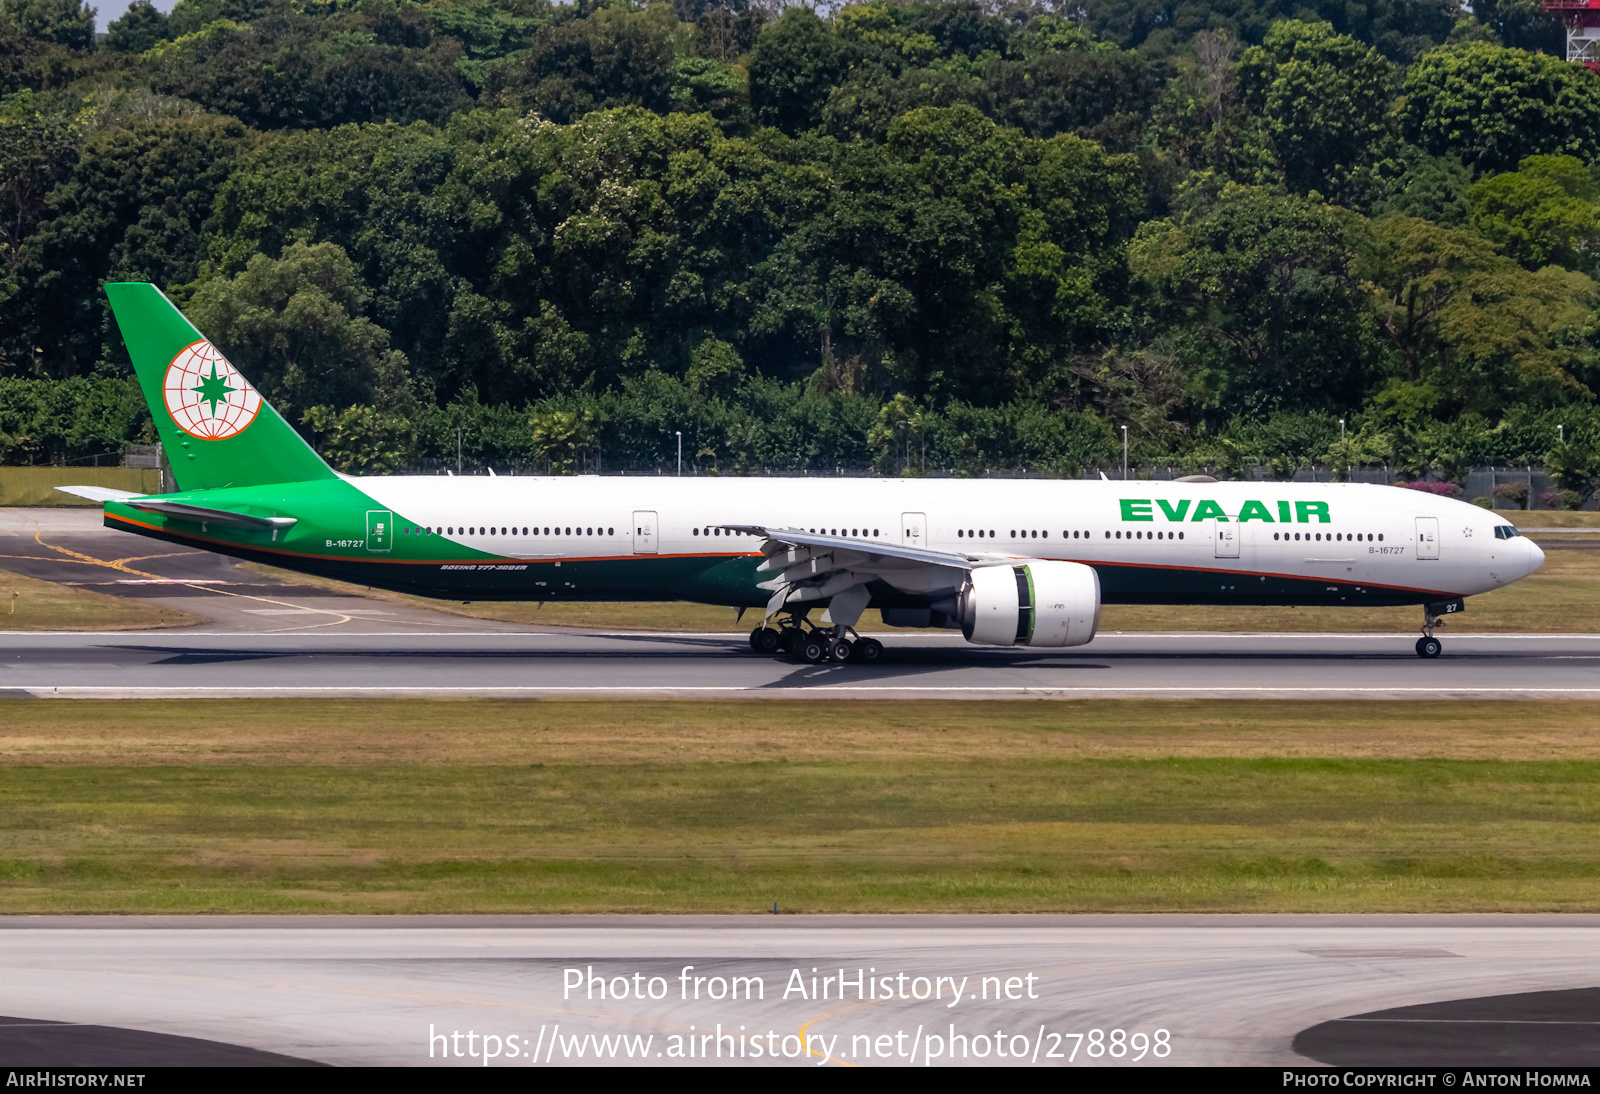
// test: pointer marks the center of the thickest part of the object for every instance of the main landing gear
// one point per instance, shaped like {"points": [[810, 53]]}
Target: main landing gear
{"points": [[1428, 646], [797, 636]]}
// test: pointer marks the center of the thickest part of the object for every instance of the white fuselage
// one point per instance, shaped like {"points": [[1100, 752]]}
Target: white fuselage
{"points": [[1368, 539]]}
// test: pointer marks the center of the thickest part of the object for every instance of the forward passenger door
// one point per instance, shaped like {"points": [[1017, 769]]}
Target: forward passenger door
{"points": [[1427, 537]]}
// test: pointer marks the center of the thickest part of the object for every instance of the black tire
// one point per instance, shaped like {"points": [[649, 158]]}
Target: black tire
{"points": [[764, 640], [841, 650], [869, 651], [787, 638], [811, 649], [1429, 647]]}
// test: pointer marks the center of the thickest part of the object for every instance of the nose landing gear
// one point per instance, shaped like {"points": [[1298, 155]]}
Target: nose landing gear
{"points": [[1428, 646], [1433, 616]]}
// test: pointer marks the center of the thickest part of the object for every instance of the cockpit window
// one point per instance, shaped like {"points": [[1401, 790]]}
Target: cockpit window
{"points": [[1505, 531]]}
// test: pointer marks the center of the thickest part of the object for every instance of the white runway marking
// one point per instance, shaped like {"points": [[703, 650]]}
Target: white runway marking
{"points": [[46, 691]]}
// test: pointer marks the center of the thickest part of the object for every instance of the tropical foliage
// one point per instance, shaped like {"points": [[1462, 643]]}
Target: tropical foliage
{"points": [[928, 236]]}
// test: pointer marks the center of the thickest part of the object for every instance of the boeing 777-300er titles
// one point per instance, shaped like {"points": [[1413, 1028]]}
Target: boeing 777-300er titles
{"points": [[1009, 563]]}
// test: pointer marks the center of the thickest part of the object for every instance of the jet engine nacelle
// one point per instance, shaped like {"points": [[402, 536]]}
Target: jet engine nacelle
{"points": [[1033, 604]]}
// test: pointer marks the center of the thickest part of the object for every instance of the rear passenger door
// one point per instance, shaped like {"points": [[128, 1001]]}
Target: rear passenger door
{"points": [[1226, 536], [914, 529], [644, 533]]}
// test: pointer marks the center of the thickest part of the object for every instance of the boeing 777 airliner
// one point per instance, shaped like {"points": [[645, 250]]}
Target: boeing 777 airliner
{"points": [[1009, 563]]}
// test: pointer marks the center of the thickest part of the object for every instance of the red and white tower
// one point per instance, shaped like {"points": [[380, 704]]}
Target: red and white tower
{"points": [[1582, 20]]}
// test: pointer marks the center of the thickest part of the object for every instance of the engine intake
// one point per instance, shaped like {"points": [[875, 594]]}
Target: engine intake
{"points": [[1034, 604]]}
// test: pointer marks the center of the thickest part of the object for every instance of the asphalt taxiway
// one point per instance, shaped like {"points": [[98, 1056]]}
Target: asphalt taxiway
{"points": [[1237, 990]]}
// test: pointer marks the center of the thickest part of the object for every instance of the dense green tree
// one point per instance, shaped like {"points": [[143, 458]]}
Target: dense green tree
{"points": [[1399, 29], [612, 58], [723, 35], [793, 68], [44, 44], [701, 85], [486, 30], [384, 195], [1416, 184], [1470, 326], [893, 231], [65, 22], [362, 440], [132, 209], [50, 421], [287, 70], [1265, 285], [295, 326], [1494, 107], [1104, 95], [960, 258], [193, 16], [143, 26], [1521, 24], [1548, 210], [36, 152], [1323, 99], [1200, 125]]}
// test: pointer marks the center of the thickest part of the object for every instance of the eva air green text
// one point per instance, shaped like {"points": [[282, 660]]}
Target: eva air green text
{"points": [[1304, 512]]}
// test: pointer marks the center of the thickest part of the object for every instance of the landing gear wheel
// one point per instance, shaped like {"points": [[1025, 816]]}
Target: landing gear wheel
{"points": [[868, 651], [764, 640], [1429, 647], [788, 637], [811, 648], [840, 650]]}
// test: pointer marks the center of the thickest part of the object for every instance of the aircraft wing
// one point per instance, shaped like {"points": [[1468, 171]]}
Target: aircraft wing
{"points": [[779, 538], [811, 567]]}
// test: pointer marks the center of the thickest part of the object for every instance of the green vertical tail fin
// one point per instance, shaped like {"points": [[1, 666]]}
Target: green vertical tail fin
{"points": [[217, 430]]}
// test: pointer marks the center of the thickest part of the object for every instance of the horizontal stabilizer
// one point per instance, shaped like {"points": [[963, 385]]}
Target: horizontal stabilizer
{"points": [[98, 493], [215, 516]]}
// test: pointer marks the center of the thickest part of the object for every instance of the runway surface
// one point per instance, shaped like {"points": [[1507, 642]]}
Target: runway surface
{"points": [[216, 664], [271, 636], [1225, 989]]}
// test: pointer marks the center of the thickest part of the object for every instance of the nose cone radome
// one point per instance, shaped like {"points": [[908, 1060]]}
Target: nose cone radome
{"points": [[1534, 552]]}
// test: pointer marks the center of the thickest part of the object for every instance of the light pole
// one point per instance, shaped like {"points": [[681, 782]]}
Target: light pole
{"points": [[1124, 453], [1561, 434], [680, 453]]}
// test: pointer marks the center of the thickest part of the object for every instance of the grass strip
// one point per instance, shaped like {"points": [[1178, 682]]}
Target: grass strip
{"points": [[547, 806], [28, 604]]}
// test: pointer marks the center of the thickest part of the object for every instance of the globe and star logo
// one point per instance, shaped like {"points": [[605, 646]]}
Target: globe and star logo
{"points": [[206, 396]]}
